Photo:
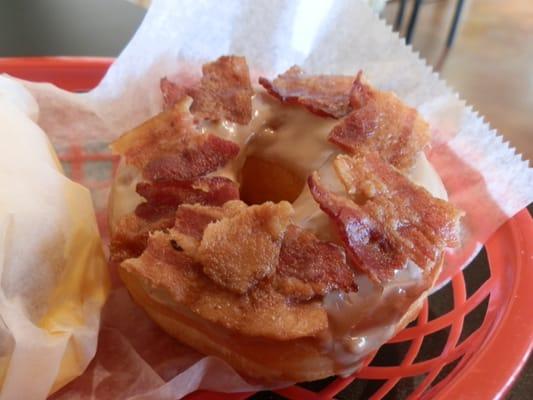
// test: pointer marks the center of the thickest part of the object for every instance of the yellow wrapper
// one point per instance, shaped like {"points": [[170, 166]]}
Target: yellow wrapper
{"points": [[53, 273]]}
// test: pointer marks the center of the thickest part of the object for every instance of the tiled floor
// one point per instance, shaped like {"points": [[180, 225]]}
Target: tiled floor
{"points": [[491, 63]]}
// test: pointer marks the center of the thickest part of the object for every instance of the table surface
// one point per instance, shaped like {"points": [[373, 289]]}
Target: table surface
{"points": [[102, 28]]}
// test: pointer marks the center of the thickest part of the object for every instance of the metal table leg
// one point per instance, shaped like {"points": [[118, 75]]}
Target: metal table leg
{"points": [[455, 23], [399, 15], [412, 21]]}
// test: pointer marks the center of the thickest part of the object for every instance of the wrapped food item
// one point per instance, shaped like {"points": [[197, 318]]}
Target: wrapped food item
{"points": [[54, 277]]}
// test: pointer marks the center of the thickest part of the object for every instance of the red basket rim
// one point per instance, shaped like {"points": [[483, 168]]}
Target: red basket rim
{"points": [[55, 61], [70, 73], [492, 370]]}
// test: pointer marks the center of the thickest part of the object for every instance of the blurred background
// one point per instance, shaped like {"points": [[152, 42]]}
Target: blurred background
{"points": [[489, 62], [482, 48]]}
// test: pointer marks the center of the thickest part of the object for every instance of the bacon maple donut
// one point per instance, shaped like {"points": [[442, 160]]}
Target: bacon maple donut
{"points": [[290, 229]]}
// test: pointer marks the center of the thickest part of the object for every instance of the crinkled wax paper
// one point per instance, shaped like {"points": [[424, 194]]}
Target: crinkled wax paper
{"points": [[53, 273], [483, 175]]}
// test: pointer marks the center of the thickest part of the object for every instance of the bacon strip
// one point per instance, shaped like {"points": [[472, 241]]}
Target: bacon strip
{"points": [[172, 93], [169, 147], [153, 212], [225, 91], [238, 252], [199, 155], [208, 191], [382, 123], [369, 246], [324, 95], [415, 207], [395, 220], [192, 219], [309, 267], [165, 133], [186, 225], [131, 232]]}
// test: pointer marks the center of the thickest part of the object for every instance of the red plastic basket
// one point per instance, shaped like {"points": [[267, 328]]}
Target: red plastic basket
{"points": [[439, 356]]}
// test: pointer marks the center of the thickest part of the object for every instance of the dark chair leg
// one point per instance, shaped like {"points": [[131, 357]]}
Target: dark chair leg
{"points": [[399, 15], [412, 22], [455, 23]]}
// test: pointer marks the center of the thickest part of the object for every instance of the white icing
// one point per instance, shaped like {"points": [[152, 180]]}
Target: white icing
{"points": [[348, 343]]}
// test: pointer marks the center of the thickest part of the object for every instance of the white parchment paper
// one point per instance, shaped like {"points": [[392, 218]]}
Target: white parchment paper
{"points": [[483, 174]]}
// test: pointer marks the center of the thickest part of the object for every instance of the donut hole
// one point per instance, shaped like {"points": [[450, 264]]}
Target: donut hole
{"points": [[263, 180]]}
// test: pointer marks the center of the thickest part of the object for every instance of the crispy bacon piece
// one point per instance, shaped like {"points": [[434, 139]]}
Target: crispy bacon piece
{"points": [[197, 156], [263, 312], [172, 93], [381, 123], [165, 133], [309, 267], [240, 251], [169, 147], [369, 246], [153, 212], [395, 220], [206, 190], [130, 234], [324, 95], [225, 91], [192, 219], [163, 198], [386, 187]]}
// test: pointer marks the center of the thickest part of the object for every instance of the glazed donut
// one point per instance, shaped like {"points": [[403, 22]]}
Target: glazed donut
{"points": [[290, 228]]}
